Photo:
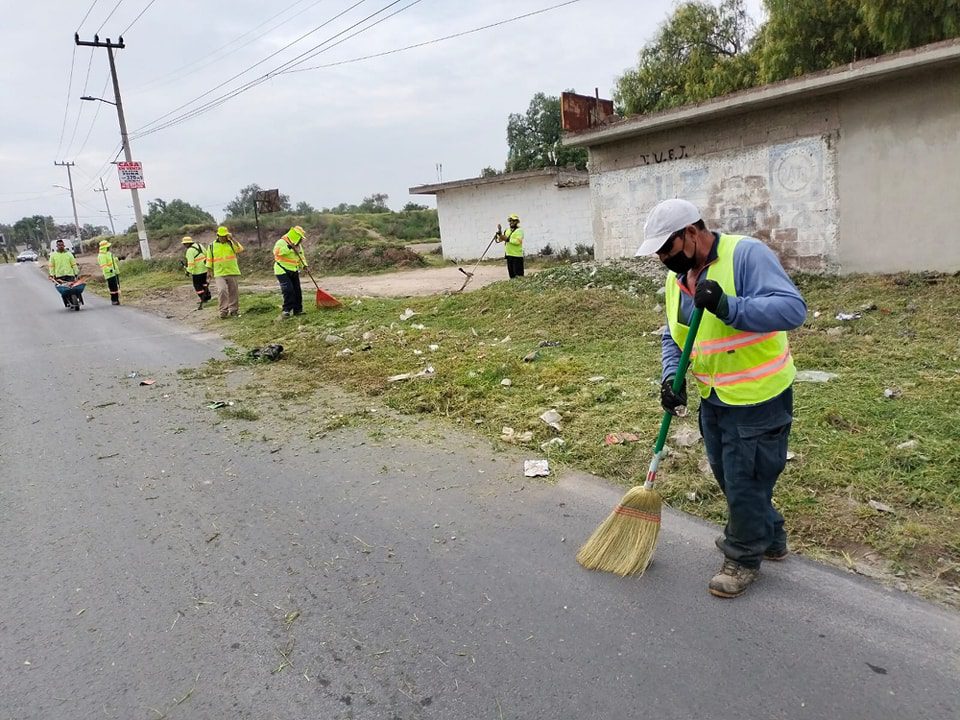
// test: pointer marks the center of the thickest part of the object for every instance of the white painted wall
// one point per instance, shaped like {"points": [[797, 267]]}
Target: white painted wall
{"points": [[558, 216]]}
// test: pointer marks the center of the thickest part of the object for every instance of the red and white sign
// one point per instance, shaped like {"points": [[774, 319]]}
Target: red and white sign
{"points": [[131, 175]]}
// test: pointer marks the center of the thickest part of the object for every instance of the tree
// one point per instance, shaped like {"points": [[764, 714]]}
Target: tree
{"points": [[490, 172], [376, 203], [304, 208], [533, 139], [242, 204], [701, 51], [901, 24], [174, 214], [88, 231], [802, 36], [35, 230], [413, 207]]}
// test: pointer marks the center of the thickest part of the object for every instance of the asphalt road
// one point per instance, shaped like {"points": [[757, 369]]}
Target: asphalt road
{"points": [[154, 564]]}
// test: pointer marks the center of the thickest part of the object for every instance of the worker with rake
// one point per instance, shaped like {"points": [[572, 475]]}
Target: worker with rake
{"points": [[743, 370], [288, 259]]}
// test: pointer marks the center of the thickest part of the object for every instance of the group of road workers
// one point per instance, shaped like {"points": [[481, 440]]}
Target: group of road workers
{"points": [[219, 262]]}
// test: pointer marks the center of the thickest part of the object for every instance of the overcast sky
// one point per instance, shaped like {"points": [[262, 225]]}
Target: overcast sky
{"points": [[326, 135]]}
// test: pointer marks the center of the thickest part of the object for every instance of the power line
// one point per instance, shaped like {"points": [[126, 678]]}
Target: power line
{"points": [[86, 81], [124, 32], [435, 40], [89, 10], [95, 115], [312, 52], [66, 109], [119, 2], [245, 71], [169, 77]]}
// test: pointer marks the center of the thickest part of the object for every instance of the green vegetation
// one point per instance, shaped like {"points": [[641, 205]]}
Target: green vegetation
{"points": [[603, 377], [174, 214], [703, 50], [533, 139]]}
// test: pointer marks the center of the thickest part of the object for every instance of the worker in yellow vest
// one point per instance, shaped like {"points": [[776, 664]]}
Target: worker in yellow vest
{"points": [[287, 260], [222, 261], [63, 267], [111, 271], [512, 241], [195, 263], [743, 370]]}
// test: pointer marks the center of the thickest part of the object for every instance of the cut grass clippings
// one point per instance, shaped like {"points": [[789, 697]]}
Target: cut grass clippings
{"points": [[848, 436]]}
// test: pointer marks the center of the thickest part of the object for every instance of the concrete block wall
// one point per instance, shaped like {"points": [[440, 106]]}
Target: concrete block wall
{"points": [[769, 174], [558, 216]]}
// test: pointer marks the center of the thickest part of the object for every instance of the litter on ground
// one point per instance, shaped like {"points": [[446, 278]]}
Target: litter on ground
{"points": [[426, 372], [536, 468], [619, 438], [552, 418], [816, 376]]}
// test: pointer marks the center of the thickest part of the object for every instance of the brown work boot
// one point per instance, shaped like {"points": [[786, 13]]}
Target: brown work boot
{"points": [[776, 555], [732, 579]]}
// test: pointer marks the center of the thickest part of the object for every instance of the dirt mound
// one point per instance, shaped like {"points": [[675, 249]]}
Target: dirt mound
{"points": [[351, 258]]}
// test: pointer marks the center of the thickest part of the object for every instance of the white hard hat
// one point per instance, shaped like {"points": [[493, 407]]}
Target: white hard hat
{"points": [[663, 221]]}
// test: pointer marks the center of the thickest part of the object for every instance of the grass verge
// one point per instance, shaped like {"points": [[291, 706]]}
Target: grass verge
{"points": [[874, 480]]}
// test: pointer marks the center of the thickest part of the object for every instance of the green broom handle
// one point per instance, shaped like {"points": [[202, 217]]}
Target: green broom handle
{"points": [[680, 378]]}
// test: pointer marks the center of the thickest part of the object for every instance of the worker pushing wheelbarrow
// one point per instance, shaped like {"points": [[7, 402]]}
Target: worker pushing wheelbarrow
{"points": [[65, 274]]}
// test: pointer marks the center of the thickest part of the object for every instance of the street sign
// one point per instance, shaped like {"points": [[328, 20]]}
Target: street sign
{"points": [[131, 175]]}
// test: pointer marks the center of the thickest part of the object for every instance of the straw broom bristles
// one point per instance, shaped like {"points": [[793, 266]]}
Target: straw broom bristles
{"points": [[625, 541]]}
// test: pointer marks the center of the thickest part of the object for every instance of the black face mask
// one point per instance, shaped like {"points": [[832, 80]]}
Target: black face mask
{"points": [[680, 263]]}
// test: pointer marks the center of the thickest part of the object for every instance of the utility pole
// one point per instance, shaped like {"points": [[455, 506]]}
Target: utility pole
{"points": [[107, 203], [137, 211], [76, 220]]}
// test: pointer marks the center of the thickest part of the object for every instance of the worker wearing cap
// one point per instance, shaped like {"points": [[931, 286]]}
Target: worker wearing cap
{"points": [[742, 367], [512, 241], [110, 270], [287, 260], [222, 261], [195, 263]]}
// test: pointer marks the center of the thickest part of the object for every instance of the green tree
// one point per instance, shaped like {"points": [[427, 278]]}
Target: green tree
{"points": [[901, 24], [242, 204], [802, 36], [413, 207], [88, 231], [533, 139], [376, 203], [701, 51], [304, 208], [490, 172], [174, 214], [34, 230]]}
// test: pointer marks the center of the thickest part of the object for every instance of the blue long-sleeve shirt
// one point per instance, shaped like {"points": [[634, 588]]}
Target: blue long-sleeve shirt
{"points": [[766, 300]]}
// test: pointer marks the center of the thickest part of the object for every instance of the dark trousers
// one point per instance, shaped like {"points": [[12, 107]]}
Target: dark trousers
{"points": [[292, 294], [747, 450], [113, 283], [201, 286], [514, 266]]}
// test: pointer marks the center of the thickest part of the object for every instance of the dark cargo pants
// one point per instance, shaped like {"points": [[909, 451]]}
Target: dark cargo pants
{"points": [[747, 450]]}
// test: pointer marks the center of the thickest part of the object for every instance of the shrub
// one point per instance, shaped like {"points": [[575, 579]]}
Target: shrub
{"points": [[564, 254], [581, 250], [546, 250]]}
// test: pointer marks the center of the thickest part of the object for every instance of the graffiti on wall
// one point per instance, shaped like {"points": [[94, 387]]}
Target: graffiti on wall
{"points": [[782, 194]]}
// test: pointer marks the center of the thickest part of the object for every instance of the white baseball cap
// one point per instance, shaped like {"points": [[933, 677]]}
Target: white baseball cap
{"points": [[663, 221]]}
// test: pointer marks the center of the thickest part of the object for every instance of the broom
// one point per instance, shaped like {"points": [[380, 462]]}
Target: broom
{"points": [[624, 542]]}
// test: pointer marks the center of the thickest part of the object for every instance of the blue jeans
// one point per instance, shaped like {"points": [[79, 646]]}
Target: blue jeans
{"points": [[747, 450]]}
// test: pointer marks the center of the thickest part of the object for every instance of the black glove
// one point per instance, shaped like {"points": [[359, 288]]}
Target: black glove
{"points": [[671, 401], [710, 296]]}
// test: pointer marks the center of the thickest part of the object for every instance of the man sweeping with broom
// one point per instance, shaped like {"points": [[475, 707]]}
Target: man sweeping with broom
{"points": [[743, 370]]}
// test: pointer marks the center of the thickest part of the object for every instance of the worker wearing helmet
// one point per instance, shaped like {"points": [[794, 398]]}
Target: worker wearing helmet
{"points": [[288, 259], [222, 260], [195, 263], [512, 241], [110, 270]]}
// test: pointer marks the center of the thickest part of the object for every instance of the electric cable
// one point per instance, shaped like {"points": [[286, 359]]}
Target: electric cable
{"points": [[89, 10], [119, 2], [66, 109], [124, 31]]}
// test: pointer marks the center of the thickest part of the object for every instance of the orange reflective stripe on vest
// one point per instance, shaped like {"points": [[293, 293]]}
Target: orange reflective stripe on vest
{"points": [[755, 373], [733, 342]]}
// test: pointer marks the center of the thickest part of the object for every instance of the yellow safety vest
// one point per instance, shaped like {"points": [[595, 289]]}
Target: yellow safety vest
{"points": [[513, 247], [743, 368], [196, 260], [222, 257], [287, 258], [62, 264], [108, 264]]}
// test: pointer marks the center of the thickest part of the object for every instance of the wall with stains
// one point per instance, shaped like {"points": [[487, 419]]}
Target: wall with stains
{"points": [[771, 175]]}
